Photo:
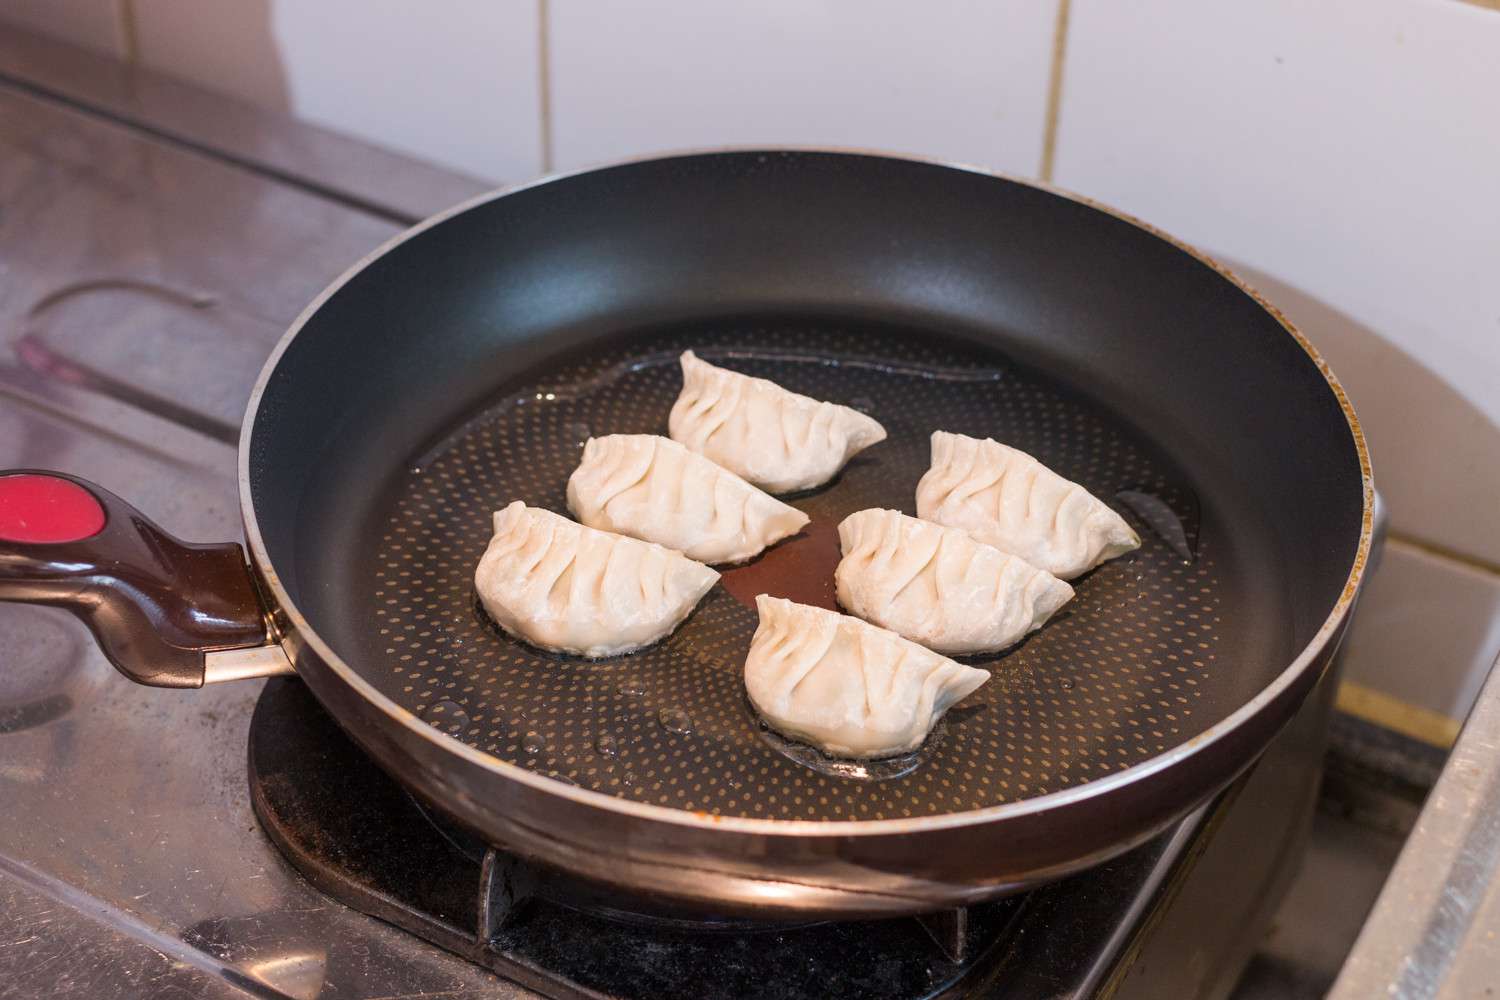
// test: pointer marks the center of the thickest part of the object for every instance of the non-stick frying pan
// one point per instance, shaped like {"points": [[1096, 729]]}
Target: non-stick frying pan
{"points": [[463, 365]]}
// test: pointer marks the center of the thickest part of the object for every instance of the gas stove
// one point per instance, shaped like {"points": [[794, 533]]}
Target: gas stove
{"points": [[232, 842]]}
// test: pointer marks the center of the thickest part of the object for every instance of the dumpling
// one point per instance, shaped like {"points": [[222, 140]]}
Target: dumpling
{"points": [[845, 686], [1006, 498], [940, 587], [776, 439], [572, 589], [653, 488]]}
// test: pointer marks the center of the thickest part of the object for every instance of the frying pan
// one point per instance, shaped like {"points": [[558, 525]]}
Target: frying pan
{"points": [[463, 365]]}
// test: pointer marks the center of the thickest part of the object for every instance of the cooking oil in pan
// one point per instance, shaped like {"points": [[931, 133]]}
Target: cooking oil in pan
{"points": [[1159, 516], [1180, 536], [446, 716], [675, 720], [883, 769]]}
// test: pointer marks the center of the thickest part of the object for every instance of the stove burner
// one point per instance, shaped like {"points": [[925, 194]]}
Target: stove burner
{"points": [[357, 836], [528, 883]]}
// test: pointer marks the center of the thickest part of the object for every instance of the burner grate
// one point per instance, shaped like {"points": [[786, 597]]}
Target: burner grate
{"points": [[356, 835]]}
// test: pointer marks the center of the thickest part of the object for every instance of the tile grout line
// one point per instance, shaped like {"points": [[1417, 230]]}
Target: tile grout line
{"points": [[1054, 91], [544, 82], [1387, 711], [1478, 564], [129, 35]]}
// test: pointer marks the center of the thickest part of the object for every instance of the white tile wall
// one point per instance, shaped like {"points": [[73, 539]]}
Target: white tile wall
{"points": [[224, 45], [1424, 629], [94, 24], [956, 79], [452, 81], [1344, 155], [1348, 149], [455, 81]]}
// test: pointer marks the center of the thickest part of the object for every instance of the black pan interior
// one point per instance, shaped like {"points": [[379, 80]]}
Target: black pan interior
{"points": [[464, 369]]}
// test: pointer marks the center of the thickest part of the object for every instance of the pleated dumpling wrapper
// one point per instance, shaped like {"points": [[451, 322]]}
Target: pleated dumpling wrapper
{"points": [[573, 589], [655, 489], [776, 439], [1007, 499], [940, 587], [846, 686]]}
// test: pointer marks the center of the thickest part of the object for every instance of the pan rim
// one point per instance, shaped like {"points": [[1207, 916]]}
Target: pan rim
{"points": [[778, 828]]}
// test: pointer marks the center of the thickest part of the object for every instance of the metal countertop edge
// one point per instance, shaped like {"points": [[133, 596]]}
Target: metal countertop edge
{"points": [[124, 922], [1435, 928]]}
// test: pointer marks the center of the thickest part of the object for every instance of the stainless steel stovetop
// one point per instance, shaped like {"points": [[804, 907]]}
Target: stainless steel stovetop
{"points": [[141, 286]]}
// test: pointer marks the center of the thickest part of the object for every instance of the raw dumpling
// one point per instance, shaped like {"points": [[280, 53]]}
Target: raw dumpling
{"points": [[845, 686], [565, 587], [938, 586], [776, 439], [654, 488], [1006, 498]]}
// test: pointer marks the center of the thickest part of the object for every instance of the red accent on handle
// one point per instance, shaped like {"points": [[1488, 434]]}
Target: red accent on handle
{"points": [[47, 510]]}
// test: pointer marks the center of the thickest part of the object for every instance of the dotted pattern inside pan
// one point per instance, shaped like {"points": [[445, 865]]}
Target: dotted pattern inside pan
{"points": [[1117, 678]]}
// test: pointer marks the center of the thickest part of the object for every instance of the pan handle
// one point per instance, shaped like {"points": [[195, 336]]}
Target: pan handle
{"points": [[163, 611]]}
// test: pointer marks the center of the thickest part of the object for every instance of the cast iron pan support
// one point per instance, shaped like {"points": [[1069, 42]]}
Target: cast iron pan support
{"points": [[505, 886], [165, 612]]}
